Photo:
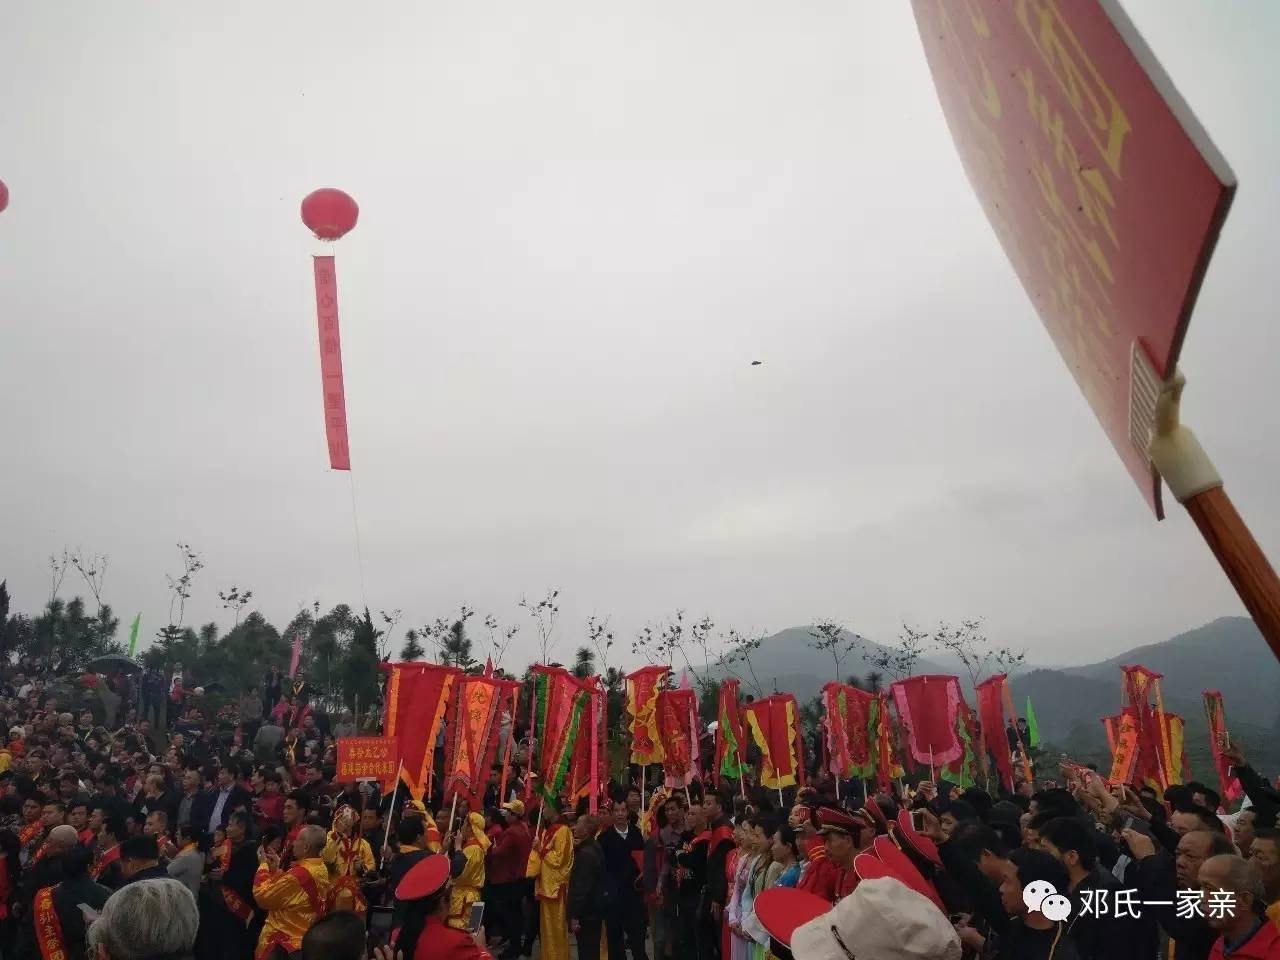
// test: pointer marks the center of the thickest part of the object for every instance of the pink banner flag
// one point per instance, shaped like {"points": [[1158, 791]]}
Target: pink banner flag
{"points": [[335, 400], [297, 651]]}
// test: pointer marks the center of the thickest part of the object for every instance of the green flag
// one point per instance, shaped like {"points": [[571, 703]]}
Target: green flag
{"points": [[1033, 728], [133, 634]]}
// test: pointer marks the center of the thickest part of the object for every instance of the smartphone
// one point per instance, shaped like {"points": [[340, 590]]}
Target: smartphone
{"points": [[1138, 825], [477, 916], [380, 924], [917, 821]]}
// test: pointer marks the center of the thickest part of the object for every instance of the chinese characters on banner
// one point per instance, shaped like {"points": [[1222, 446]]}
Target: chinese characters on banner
{"points": [[1104, 192], [367, 758], [335, 399]]}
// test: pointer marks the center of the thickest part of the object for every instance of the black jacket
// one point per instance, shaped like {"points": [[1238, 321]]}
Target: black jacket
{"points": [[619, 862], [158, 872], [717, 882], [1157, 880], [1098, 937], [587, 882], [207, 800], [1023, 943]]}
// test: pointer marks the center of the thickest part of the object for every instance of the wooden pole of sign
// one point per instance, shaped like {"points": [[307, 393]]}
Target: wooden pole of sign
{"points": [[1193, 480], [391, 812], [506, 748], [1243, 561]]}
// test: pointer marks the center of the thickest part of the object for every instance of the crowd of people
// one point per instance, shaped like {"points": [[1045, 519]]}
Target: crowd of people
{"points": [[139, 824]]}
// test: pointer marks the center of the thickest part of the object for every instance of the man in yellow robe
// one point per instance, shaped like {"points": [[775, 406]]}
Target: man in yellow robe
{"points": [[293, 898], [348, 857], [473, 843], [550, 863]]}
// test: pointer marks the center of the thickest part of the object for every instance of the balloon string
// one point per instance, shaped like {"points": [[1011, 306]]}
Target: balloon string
{"points": [[355, 521]]}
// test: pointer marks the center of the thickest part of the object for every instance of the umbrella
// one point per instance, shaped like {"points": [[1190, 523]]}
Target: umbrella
{"points": [[113, 663]]}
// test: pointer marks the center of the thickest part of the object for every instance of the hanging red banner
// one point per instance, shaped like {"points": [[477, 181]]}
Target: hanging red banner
{"points": [[335, 397], [1230, 788], [1124, 755], [929, 706], [991, 697], [416, 696], [774, 725], [674, 711], [473, 739]]}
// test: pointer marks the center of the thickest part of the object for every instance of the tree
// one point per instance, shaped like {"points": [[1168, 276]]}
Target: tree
{"points": [[974, 650], [544, 614], [673, 642], [93, 570], [831, 638], [413, 648], [390, 620], [584, 663], [499, 638], [235, 600], [171, 635], [738, 650], [871, 683], [899, 662]]}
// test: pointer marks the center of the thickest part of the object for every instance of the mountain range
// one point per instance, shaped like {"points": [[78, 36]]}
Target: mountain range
{"points": [[1227, 654]]}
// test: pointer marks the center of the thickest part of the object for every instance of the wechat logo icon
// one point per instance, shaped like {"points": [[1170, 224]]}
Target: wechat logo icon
{"points": [[1043, 897]]}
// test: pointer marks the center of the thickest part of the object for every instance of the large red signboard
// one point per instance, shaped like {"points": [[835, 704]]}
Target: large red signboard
{"points": [[1102, 188]]}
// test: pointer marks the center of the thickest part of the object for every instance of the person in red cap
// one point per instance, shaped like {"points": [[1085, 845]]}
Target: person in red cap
{"points": [[426, 891], [846, 835]]}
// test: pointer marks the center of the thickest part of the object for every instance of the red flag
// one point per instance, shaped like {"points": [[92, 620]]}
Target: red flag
{"points": [[642, 709], [774, 725], [730, 740], [473, 736], [335, 398], [848, 730], [1139, 684], [991, 698], [584, 771], [416, 695], [929, 707], [297, 651], [674, 708], [1216, 716]]}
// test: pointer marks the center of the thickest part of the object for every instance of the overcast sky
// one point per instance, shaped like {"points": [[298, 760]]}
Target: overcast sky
{"points": [[580, 222]]}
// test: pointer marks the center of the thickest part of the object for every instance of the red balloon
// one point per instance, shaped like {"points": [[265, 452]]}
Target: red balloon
{"points": [[4, 196], [329, 213]]}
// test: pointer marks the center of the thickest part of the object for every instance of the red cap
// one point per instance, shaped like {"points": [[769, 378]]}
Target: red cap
{"points": [[877, 814], [831, 820], [781, 909], [424, 878], [916, 840], [900, 867]]}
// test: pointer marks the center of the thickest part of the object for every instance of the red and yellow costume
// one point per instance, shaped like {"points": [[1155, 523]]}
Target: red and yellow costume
{"points": [[236, 905], [47, 925], [550, 862], [347, 857], [294, 899], [467, 885]]}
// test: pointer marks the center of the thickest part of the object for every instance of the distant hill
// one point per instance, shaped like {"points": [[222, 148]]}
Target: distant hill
{"points": [[1228, 655]]}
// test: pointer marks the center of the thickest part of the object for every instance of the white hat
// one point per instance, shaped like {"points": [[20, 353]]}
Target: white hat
{"points": [[883, 919]]}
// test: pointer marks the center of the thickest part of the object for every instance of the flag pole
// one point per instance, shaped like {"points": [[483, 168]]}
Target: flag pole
{"points": [[391, 814], [506, 750], [1194, 481]]}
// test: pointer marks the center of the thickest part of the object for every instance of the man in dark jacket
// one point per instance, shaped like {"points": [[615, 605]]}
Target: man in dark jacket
{"points": [[1097, 933], [74, 888], [1160, 876], [719, 843], [588, 883], [272, 688], [622, 847], [47, 870], [140, 860]]}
